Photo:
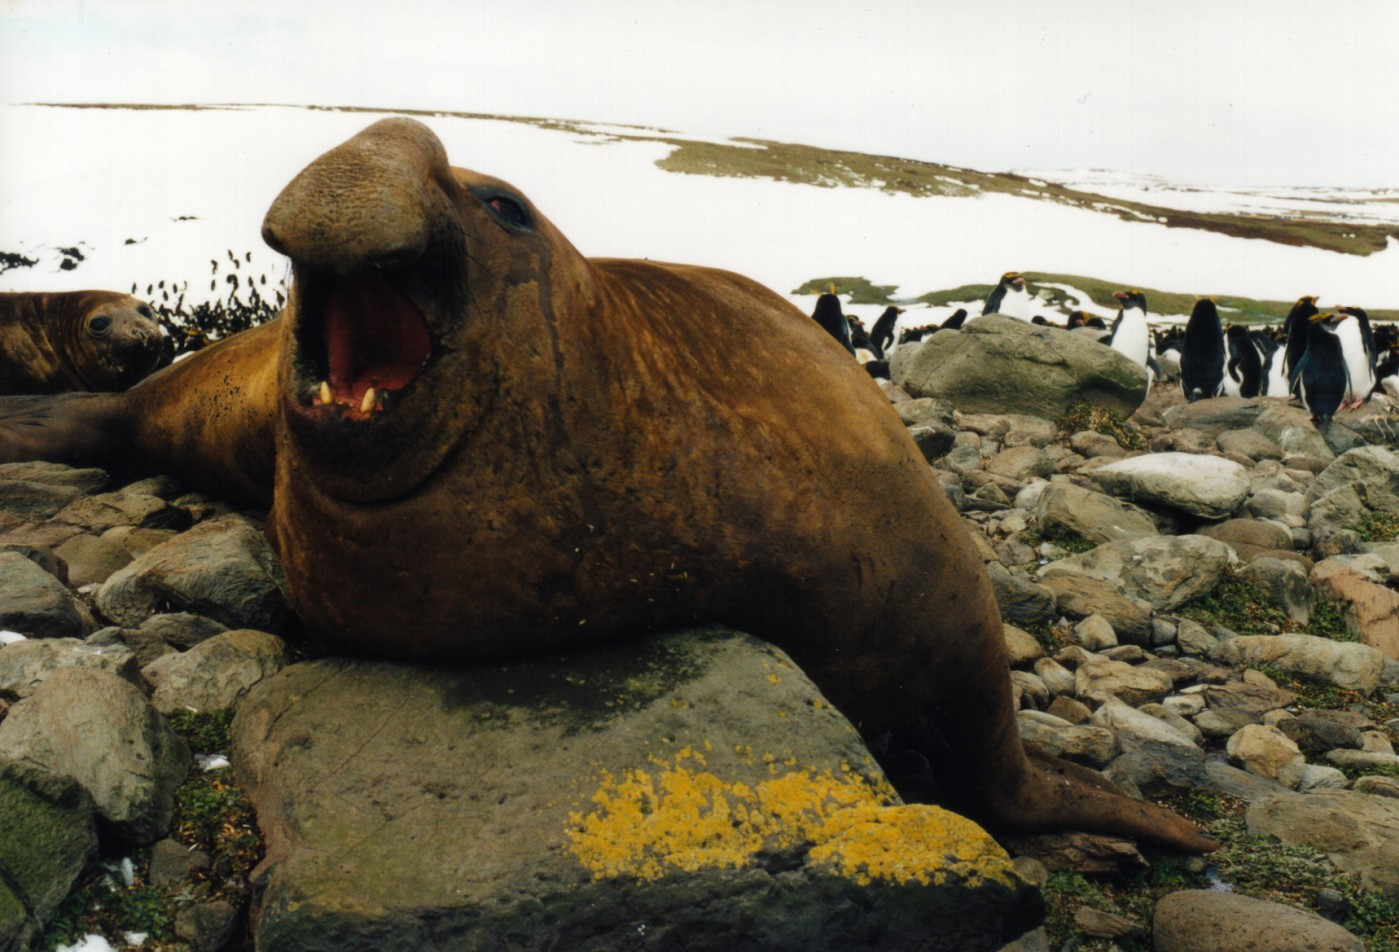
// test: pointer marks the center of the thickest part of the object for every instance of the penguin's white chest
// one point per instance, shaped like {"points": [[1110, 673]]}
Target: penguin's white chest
{"points": [[1016, 303], [1360, 376], [1132, 339]]}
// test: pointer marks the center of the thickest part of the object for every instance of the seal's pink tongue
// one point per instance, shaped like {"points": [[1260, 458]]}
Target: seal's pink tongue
{"points": [[374, 337]]}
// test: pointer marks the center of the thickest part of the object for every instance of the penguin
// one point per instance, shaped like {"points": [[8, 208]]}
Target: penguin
{"points": [[1009, 297], [878, 369], [1169, 361], [1387, 373], [829, 315], [1296, 329], [955, 322], [865, 350], [1202, 353], [1358, 346], [1166, 346], [1130, 335], [1245, 366], [1079, 319], [1274, 357], [1321, 375], [883, 334], [1387, 362]]}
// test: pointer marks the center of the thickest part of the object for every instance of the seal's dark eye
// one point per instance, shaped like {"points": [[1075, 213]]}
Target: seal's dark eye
{"points": [[99, 326], [509, 210], [145, 312]]}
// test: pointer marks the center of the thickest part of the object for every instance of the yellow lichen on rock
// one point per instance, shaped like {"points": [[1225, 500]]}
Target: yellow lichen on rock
{"points": [[682, 817]]}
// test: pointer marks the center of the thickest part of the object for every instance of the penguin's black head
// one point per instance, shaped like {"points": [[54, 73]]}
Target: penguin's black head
{"points": [[827, 305], [1352, 311], [1130, 299], [1013, 278]]}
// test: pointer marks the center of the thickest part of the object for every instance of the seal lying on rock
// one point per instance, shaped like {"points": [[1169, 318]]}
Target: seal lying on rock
{"points": [[486, 445], [77, 340]]}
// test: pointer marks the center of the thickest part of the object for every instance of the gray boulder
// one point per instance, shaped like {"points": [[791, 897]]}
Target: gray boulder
{"points": [[1079, 596], [223, 569], [30, 501], [47, 836], [101, 731], [25, 665], [1022, 601], [1292, 429], [1359, 832], [1209, 920], [216, 673], [1357, 484], [1165, 571], [997, 364], [35, 603], [1215, 416], [1097, 517], [1206, 486], [1344, 664], [693, 791], [1285, 583]]}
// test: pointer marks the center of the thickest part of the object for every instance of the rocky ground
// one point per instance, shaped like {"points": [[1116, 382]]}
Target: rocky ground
{"points": [[1202, 602]]}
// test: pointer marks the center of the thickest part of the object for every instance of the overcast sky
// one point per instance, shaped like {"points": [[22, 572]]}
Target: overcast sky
{"points": [[1221, 92]]}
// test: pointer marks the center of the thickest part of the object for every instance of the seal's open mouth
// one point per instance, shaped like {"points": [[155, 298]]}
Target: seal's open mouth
{"points": [[359, 341]]}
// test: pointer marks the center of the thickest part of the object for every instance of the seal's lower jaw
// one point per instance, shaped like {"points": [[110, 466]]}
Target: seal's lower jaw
{"points": [[360, 342], [357, 393]]}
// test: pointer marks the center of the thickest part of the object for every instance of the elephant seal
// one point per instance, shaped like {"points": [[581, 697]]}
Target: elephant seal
{"points": [[487, 445], [75, 340]]}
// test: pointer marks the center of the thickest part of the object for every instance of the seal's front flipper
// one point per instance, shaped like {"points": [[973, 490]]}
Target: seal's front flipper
{"points": [[79, 429]]}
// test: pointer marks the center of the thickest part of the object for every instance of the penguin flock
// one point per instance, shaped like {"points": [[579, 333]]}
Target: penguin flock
{"points": [[1329, 360]]}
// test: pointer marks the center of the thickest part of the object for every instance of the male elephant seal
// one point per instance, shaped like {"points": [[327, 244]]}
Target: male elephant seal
{"points": [[78, 340], [486, 444]]}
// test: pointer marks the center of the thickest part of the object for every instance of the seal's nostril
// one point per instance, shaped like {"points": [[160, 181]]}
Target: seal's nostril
{"points": [[273, 242], [399, 258]]}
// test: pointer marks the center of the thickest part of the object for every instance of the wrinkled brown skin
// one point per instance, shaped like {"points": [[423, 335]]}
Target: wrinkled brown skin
{"points": [[47, 344], [600, 448]]}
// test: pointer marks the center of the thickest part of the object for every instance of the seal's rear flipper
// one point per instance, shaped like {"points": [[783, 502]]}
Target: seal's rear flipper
{"points": [[79, 429], [1058, 795]]}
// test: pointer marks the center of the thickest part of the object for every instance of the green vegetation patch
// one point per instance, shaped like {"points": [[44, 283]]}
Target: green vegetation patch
{"points": [[860, 289], [1328, 622], [1252, 865], [101, 904], [1096, 419], [1378, 527], [204, 731], [1238, 606], [212, 815], [1071, 542]]}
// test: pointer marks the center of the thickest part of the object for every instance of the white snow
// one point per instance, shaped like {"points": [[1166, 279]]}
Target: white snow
{"points": [[89, 943], [8, 637], [189, 188]]}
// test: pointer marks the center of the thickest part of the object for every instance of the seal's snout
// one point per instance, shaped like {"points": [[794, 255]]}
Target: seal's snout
{"points": [[372, 201]]}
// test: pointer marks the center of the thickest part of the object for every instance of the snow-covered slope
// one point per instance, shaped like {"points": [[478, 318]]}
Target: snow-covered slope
{"points": [[147, 195]]}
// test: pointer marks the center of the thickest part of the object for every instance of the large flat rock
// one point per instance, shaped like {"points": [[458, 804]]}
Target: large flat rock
{"points": [[998, 364], [693, 791]]}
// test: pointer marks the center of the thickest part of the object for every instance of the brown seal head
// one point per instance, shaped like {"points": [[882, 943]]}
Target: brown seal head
{"points": [[486, 444], [76, 340]]}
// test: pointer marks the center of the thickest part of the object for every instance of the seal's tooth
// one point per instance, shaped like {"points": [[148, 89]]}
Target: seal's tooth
{"points": [[325, 394], [368, 402]]}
